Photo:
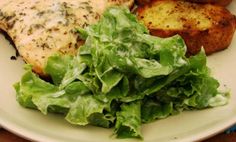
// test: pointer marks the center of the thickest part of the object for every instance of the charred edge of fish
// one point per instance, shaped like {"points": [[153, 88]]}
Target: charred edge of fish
{"points": [[13, 57], [7, 37]]}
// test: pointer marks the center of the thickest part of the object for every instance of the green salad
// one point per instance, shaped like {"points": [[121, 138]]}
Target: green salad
{"points": [[122, 77]]}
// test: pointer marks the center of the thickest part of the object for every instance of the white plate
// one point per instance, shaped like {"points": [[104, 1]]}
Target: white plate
{"points": [[188, 126]]}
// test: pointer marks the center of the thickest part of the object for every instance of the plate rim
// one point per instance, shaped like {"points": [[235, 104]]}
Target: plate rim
{"points": [[23, 132]]}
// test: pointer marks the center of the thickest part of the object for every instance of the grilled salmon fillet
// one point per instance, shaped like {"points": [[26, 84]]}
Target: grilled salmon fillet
{"points": [[200, 25], [41, 28]]}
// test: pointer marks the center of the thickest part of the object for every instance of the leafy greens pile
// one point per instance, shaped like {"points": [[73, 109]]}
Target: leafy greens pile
{"points": [[122, 77]]}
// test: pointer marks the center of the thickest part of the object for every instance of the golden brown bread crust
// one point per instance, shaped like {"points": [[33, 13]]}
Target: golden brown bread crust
{"points": [[213, 38], [216, 2]]}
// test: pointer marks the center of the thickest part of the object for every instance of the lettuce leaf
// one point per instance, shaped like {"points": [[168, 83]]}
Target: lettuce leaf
{"points": [[152, 109], [82, 108], [34, 92], [57, 66], [101, 120], [128, 123]]}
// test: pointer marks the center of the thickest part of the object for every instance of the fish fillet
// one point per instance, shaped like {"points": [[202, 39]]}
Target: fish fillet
{"points": [[41, 28]]}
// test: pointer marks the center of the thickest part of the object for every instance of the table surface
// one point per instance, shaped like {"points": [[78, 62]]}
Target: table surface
{"points": [[6, 136]]}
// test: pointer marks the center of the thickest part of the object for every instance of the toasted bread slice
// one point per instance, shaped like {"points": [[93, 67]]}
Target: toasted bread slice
{"points": [[216, 2], [200, 25]]}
